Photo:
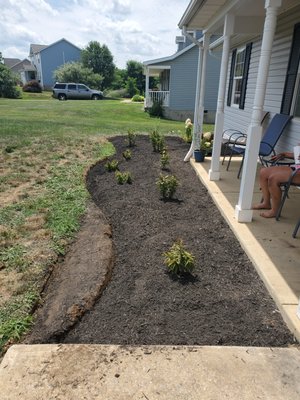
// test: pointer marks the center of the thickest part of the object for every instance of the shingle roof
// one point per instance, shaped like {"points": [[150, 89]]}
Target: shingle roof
{"points": [[10, 62], [36, 48]]}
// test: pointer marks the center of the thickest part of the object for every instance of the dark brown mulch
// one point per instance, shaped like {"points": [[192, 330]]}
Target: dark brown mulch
{"points": [[223, 303]]}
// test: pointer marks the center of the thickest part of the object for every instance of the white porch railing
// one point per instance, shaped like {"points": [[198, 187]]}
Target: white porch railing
{"points": [[157, 95]]}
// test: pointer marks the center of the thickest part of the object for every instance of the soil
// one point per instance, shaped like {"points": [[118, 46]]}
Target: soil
{"points": [[223, 302]]}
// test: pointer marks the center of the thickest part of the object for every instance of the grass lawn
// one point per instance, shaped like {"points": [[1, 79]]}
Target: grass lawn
{"points": [[46, 146]]}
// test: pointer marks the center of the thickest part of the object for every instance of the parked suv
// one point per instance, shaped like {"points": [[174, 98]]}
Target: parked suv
{"points": [[64, 91]]}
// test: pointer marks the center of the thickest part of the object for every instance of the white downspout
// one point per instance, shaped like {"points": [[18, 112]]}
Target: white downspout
{"points": [[146, 102], [197, 117], [243, 210], [214, 171], [200, 111]]}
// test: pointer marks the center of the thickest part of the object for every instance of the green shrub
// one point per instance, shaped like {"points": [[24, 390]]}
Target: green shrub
{"points": [[131, 138], [8, 82], [157, 109], [178, 260], [112, 165], [123, 177], [164, 159], [138, 98], [127, 154], [32, 87], [157, 141], [167, 185]]}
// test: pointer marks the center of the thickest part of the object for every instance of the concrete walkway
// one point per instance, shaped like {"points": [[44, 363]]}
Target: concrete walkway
{"points": [[95, 372]]}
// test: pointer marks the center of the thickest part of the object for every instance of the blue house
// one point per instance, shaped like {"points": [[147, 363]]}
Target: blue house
{"points": [[47, 58], [177, 75]]}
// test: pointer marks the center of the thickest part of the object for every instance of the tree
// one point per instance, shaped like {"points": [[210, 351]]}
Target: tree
{"points": [[131, 87], [76, 72], [100, 60], [134, 70], [8, 82], [119, 80]]}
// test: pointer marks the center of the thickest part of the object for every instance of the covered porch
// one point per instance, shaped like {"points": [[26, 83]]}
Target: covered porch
{"points": [[161, 93], [268, 243], [237, 22]]}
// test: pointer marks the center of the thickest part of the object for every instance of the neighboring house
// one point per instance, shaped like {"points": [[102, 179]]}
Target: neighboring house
{"points": [[24, 69], [177, 75], [259, 72], [46, 59]]}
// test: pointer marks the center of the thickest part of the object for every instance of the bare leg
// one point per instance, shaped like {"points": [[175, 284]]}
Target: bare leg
{"points": [[264, 185], [276, 177]]}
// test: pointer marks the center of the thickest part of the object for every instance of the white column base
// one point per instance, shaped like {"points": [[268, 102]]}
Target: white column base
{"points": [[214, 175], [243, 215]]}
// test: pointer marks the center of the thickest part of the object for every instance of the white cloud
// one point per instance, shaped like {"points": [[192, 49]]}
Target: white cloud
{"points": [[132, 29]]}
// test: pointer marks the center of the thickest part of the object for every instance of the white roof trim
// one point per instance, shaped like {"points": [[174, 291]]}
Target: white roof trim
{"points": [[173, 57]]}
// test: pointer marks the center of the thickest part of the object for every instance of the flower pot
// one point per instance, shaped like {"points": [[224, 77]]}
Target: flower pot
{"points": [[199, 155]]}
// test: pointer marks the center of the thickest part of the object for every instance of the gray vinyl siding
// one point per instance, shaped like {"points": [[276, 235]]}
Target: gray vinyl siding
{"points": [[240, 119], [183, 80]]}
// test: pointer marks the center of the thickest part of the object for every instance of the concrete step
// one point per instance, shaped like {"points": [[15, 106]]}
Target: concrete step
{"points": [[109, 372]]}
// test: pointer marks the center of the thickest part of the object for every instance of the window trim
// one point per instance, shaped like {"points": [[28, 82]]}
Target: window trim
{"points": [[296, 93], [288, 96], [230, 94]]}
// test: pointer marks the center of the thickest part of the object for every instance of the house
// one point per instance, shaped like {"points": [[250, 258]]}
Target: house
{"points": [[47, 58], [23, 68], [177, 75], [260, 43]]}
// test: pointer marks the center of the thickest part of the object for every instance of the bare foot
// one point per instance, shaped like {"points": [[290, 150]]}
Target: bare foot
{"points": [[268, 214], [262, 206]]}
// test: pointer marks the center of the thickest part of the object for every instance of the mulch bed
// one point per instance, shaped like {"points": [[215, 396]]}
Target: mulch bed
{"points": [[224, 302]]}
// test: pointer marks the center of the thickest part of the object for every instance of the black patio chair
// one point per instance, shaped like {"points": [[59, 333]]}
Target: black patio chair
{"points": [[285, 191], [236, 137], [296, 229], [268, 142]]}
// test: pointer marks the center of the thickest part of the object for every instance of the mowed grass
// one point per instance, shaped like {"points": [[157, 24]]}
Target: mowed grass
{"points": [[46, 148]]}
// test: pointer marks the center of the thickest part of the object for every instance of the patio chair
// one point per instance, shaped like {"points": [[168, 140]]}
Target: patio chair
{"points": [[268, 142], [296, 228], [285, 191], [236, 137]]}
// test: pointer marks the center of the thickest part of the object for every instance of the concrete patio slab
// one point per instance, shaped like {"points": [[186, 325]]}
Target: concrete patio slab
{"points": [[102, 372], [268, 243]]}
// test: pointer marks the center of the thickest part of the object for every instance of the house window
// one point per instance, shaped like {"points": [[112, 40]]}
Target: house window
{"points": [[239, 76], [291, 93]]}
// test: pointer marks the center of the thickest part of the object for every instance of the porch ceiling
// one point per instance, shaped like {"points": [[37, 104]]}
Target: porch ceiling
{"points": [[154, 70], [208, 15]]}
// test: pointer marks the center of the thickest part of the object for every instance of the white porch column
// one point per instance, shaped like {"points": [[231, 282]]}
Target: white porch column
{"points": [[197, 102], [146, 102], [214, 171], [243, 210]]}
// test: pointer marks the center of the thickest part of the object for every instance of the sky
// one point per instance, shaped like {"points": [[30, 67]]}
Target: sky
{"points": [[138, 30]]}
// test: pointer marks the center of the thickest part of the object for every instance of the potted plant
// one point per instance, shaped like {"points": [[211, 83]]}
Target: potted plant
{"points": [[205, 147]]}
